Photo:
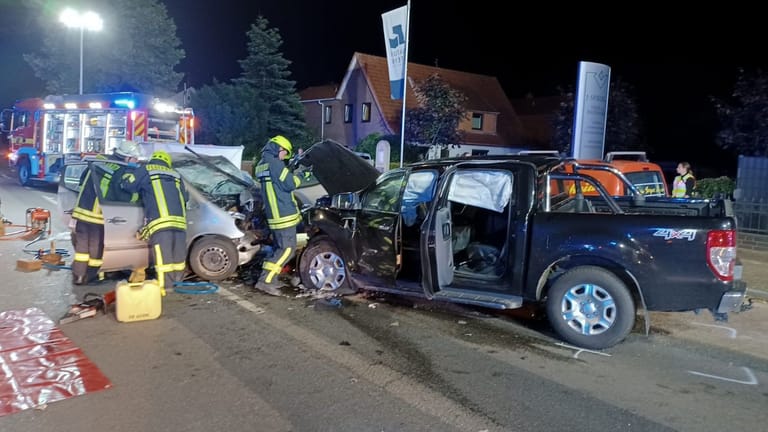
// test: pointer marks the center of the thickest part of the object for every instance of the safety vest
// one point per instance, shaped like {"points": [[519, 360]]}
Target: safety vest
{"points": [[679, 190], [277, 185]]}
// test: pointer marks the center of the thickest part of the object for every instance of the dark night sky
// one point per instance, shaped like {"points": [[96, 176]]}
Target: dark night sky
{"points": [[674, 60]]}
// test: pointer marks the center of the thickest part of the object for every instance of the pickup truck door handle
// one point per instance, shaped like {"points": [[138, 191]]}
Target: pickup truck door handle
{"points": [[446, 230], [117, 220]]}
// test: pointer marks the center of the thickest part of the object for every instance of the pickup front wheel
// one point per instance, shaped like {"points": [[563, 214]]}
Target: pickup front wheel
{"points": [[322, 268], [590, 307]]}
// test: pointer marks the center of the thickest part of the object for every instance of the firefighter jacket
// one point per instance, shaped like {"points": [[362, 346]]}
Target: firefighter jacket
{"points": [[87, 207], [277, 185], [164, 196]]}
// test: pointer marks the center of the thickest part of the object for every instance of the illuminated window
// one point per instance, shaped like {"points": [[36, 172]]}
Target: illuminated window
{"points": [[348, 113], [366, 114], [327, 114], [477, 121]]}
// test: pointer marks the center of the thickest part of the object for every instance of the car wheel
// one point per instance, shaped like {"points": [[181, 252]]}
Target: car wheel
{"points": [[23, 170], [322, 267], [213, 258], [590, 307]]}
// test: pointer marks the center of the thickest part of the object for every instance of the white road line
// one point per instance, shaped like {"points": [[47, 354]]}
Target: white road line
{"points": [[581, 350], [751, 378], [396, 383], [49, 199], [732, 333]]}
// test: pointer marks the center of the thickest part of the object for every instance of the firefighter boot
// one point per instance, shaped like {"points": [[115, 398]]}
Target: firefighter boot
{"points": [[268, 288]]}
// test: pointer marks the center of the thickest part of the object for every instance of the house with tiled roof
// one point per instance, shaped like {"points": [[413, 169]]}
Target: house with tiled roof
{"points": [[361, 105]]}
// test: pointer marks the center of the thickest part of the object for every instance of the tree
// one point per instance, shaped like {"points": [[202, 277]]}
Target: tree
{"points": [[265, 73], [744, 116], [623, 127], [436, 120], [225, 115], [136, 51]]}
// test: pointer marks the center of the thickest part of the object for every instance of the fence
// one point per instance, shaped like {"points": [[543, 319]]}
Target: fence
{"points": [[751, 202]]}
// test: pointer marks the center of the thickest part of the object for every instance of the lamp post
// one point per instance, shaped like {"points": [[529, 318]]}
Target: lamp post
{"points": [[84, 21]]}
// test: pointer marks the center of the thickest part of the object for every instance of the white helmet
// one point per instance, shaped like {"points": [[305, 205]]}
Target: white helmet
{"points": [[128, 149]]}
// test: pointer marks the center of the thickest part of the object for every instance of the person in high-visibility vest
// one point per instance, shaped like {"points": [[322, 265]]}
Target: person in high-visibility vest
{"points": [[88, 238], [282, 212], [684, 183], [165, 197]]}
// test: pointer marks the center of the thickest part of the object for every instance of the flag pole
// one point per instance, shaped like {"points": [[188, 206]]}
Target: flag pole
{"points": [[405, 79]]}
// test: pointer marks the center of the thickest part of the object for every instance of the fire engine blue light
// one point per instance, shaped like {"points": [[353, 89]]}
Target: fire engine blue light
{"points": [[128, 103]]}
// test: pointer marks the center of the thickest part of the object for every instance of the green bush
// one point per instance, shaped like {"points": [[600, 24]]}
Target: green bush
{"points": [[712, 187]]}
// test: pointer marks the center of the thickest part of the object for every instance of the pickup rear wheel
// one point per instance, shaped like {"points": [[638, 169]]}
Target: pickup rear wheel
{"points": [[213, 258], [322, 267], [590, 307]]}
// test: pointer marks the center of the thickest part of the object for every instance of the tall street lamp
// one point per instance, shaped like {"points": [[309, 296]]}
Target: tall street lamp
{"points": [[84, 21]]}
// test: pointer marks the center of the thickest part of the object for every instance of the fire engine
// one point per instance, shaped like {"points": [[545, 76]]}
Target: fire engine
{"points": [[43, 133]]}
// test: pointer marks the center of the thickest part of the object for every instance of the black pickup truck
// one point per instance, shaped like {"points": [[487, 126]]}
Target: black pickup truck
{"points": [[501, 231]]}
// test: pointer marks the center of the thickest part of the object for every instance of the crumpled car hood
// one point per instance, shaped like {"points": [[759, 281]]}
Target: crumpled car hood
{"points": [[337, 168]]}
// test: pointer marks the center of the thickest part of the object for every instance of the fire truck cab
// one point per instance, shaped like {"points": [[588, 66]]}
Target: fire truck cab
{"points": [[44, 133]]}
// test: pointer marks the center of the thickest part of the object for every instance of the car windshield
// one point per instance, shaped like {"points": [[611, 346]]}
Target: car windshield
{"points": [[206, 178]]}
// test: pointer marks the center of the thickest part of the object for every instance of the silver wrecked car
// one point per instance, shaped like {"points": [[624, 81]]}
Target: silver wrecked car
{"points": [[224, 224]]}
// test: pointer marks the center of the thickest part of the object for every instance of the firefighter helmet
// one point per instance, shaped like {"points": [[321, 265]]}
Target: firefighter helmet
{"points": [[128, 149], [283, 142], [162, 156]]}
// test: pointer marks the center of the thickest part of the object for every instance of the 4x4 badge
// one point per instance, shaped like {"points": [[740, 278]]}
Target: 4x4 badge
{"points": [[672, 234]]}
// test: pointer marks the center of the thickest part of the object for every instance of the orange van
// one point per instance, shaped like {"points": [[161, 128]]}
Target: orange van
{"points": [[647, 177]]}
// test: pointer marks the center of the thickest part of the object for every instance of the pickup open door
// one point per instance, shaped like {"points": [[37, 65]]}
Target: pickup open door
{"points": [[487, 189]]}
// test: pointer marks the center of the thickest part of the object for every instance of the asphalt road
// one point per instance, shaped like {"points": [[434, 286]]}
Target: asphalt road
{"points": [[239, 360]]}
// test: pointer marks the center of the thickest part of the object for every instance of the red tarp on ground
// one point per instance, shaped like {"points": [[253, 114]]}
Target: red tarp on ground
{"points": [[39, 365]]}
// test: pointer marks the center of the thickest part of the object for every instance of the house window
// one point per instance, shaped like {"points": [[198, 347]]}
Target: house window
{"points": [[327, 114], [477, 121], [348, 113], [366, 114]]}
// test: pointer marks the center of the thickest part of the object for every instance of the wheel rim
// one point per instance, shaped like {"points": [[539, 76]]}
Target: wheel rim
{"points": [[326, 271], [588, 309], [214, 260]]}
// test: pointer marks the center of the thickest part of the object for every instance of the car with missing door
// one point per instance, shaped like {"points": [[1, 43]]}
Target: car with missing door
{"points": [[502, 231]]}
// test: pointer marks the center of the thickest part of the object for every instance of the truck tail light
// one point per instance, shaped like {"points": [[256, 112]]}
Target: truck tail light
{"points": [[721, 253]]}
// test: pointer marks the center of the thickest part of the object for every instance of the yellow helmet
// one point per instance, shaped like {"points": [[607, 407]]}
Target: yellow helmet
{"points": [[163, 156], [283, 142]]}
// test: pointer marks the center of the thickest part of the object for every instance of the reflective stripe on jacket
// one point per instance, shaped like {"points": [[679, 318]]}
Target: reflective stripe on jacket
{"points": [[87, 207], [163, 194], [277, 185]]}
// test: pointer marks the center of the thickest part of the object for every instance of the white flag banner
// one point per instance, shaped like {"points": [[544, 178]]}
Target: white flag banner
{"points": [[395, 39]]}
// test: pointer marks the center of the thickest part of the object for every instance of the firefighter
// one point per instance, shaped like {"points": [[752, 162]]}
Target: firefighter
{"points": [[89, 222], [164, 196], [283, 215]]}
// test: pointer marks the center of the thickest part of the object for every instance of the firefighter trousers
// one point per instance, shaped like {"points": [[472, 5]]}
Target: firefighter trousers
{"points": [[169, 256], [284, 250], [89, 251]]}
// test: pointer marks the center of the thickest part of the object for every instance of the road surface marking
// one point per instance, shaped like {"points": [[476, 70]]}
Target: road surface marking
{"points": [[731, 331], [396, 383], [49, 199], [752, 380], [581, 350]]}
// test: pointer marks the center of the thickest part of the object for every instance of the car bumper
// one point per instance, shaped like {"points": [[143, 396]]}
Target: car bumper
{"points": [[731, 301]]}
